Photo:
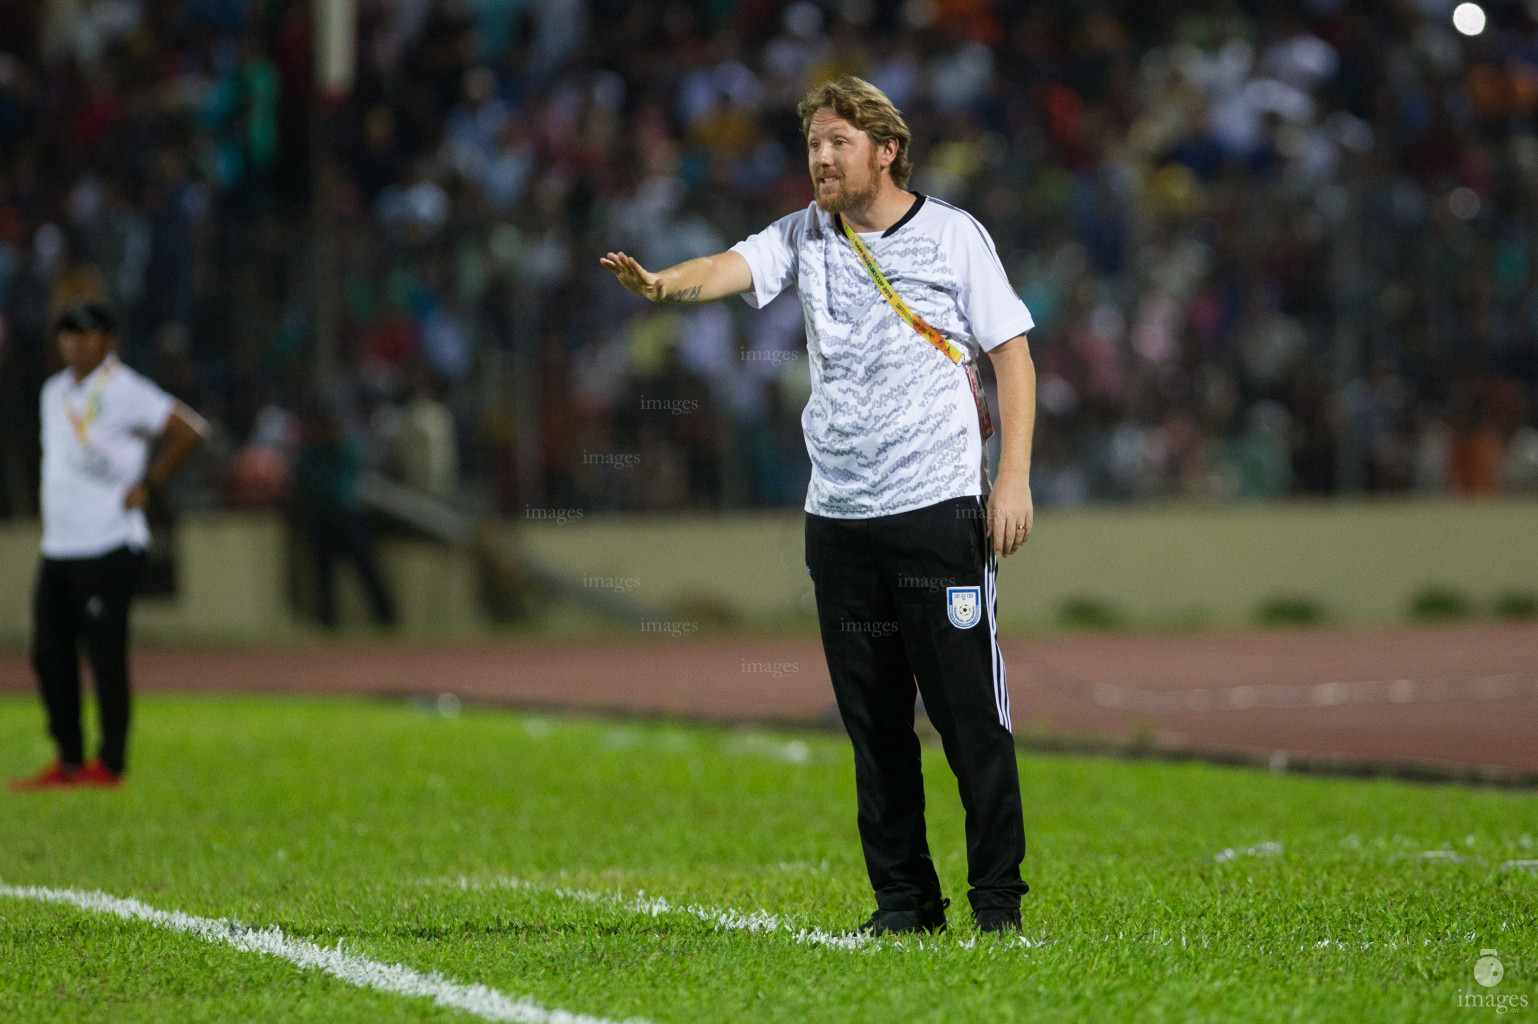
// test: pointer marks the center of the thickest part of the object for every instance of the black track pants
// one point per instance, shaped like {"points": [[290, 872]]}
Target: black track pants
{"points": [[888, 589], [334, 533], [85, 599]]}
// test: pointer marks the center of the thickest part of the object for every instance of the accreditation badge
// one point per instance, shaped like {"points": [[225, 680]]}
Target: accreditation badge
{"points": [[984, 420], [93, 464]]}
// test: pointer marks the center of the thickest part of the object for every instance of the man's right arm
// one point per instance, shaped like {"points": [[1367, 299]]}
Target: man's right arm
{"points": [[699, 280]]}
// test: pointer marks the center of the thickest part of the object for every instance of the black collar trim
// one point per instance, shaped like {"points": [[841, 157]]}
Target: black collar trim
{"points": [[905, 217], [838, 218]]}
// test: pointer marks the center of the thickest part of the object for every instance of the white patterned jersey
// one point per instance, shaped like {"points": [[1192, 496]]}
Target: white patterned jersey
{"points": [[891, 425], [96, 437]]}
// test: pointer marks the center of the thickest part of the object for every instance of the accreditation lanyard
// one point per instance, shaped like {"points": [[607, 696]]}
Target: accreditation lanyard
{"points": [[925, 331], [83, 419]]}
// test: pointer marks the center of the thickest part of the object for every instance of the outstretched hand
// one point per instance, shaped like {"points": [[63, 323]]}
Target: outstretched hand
{"points": [[634, 276]]}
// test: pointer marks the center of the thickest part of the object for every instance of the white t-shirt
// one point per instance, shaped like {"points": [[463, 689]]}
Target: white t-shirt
{"points": [[96, 439], [891, 425]]}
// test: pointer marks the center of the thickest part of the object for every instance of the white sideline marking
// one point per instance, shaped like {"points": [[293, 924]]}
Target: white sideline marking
{"points": [[759, 921], [486, 1003]]}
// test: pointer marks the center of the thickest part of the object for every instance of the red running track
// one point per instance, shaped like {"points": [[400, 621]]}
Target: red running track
{"points": [[1458, 699]]}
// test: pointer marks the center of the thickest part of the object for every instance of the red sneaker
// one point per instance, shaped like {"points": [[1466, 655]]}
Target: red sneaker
{"points": [[97, 774], [54, 776]]}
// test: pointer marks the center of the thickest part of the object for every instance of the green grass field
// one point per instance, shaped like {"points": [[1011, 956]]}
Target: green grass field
{"points": [[398, 832]]}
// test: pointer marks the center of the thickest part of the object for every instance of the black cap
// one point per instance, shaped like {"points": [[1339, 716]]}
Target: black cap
{"points": [[87, 316]]}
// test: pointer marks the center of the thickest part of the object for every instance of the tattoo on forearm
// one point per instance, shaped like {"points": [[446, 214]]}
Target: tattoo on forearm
{"points": [[684, 295]]}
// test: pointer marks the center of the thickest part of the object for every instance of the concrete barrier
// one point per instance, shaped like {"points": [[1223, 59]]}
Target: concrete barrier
{"points": [[1177, 565], [242, 576]]}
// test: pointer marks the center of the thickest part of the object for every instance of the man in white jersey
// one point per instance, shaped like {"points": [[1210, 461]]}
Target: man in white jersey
{"points": [[905, 523], [99, 420]]}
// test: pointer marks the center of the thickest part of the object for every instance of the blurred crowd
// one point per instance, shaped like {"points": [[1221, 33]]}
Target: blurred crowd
{"points": [[1273, 249]]}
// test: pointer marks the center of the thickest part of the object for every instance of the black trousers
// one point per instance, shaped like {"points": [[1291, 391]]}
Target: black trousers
{"points": [[904, 597], [85, 599], [335, 533]]}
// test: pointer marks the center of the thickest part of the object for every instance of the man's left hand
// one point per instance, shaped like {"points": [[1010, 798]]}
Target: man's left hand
{"points": [[136, 498], [1010, 513]]}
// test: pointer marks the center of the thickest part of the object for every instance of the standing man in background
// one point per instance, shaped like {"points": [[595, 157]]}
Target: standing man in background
{"points": [[327, 477], [99, 421], [904, 526]]}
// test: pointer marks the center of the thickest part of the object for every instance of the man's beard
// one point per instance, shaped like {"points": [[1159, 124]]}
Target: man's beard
{"points": [[843, 199]]}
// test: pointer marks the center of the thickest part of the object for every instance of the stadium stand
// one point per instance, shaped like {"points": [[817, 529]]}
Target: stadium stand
{"points": [[1271, 249]]}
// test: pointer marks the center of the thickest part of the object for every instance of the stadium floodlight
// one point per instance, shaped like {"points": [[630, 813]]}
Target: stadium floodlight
{"points": [[1469, 18]]}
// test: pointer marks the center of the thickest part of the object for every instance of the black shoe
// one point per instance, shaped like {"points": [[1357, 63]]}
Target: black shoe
{"points": [[927, 917], [998, 921]]}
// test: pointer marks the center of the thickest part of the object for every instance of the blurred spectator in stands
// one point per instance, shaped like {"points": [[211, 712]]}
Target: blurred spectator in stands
{"points": [[261, 471], [327, 483], [427, 450], [1214, 212], [1477, 449], [1520, 473]]}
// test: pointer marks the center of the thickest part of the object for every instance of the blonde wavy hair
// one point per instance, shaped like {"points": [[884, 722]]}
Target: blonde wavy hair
{"points": [[868, 109]]}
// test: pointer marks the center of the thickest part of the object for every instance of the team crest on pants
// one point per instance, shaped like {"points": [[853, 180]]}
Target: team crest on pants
{"points": [[964, 605]]}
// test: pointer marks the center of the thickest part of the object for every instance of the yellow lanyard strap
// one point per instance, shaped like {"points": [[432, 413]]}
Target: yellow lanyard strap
{"points": [[894, 300], [82, 420], [925, 331]]}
